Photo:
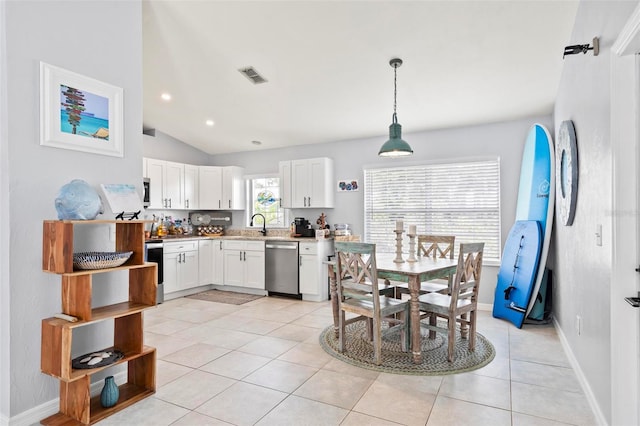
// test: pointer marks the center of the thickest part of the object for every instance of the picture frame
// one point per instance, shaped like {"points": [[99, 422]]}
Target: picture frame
{"points": [[348, 185], [80, 113]]}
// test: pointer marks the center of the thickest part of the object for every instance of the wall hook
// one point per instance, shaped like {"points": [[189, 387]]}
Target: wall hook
{"points": [[582, 48]]}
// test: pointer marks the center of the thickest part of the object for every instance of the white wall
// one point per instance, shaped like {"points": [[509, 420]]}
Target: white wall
{"points": [[165, 147], [99, 39], [504, 140], [582, 281], [5, 307]]}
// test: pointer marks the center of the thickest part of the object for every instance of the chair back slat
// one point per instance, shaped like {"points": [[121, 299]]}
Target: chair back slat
{"points": [[436, 246], [467, 279], [356, 269]]}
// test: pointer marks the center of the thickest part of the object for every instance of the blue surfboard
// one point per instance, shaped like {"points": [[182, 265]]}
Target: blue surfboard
{"points": [[536, 193], [517, 274]]}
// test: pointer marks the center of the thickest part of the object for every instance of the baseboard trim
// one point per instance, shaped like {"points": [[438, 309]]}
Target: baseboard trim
{"points": [[485, 307], [584, 384], [49, 408]]}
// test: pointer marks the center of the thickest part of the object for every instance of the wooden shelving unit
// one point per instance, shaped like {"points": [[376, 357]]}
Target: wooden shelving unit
{"points": [[76, 405]]}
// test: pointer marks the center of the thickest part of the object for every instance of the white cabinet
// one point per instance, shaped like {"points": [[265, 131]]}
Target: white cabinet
{"points": [[244, 263], [172, 185], [313, 274], [218, 262], [210, 187], [221, 188], [310, 182], [284, 169], [180, 266], [210, 262], [205, 262], [191, 184]]}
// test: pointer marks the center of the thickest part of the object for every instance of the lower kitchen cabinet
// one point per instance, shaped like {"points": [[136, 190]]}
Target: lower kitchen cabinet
{"points": [[313, 276], [211, 262], [180, 266], [244, 263]]}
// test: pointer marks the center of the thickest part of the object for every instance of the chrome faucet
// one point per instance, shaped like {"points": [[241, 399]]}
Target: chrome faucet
{"points": [[263, 231]]}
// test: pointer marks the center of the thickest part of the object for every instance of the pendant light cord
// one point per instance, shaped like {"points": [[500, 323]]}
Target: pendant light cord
{"points": [[395, 92]]}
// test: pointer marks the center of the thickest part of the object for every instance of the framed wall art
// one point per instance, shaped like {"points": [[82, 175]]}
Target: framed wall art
{"points": [[80, 113]]}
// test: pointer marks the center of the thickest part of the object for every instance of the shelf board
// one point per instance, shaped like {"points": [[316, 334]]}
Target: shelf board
{"points": [[102, 313], [79, 272], [97, 221], [129, 395], [77, 373]]}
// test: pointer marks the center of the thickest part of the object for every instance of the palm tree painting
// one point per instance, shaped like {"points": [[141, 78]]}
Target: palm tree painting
{"points": [[84, 113]]}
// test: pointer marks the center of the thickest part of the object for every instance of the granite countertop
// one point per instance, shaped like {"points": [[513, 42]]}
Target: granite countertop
{"points": [[252, 236]]}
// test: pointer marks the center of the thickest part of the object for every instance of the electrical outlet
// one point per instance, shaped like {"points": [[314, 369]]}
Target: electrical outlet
{"points": [[578, 324]]}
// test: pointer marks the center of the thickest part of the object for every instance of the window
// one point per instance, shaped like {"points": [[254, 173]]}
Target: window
{"points": [[264, 198], [461, 199]]}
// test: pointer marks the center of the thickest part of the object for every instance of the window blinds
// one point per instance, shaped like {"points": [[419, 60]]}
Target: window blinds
{"points": [[461, 199]]}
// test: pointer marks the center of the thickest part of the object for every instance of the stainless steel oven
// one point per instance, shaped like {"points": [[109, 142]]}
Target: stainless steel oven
{"points": [[154, 252]]}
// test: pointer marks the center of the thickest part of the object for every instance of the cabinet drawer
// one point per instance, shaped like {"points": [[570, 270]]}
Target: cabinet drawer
{"points": [[308, 248], [181, 246], [247, 245]]}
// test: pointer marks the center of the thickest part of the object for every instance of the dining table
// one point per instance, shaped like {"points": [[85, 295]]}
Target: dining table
{"points": [[412, 273]]}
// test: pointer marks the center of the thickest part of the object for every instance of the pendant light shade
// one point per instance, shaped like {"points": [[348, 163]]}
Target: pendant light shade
{"points": [[395, 146]]}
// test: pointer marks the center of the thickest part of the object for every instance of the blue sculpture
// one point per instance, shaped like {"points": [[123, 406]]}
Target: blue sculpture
{"points": [[78, 200]]}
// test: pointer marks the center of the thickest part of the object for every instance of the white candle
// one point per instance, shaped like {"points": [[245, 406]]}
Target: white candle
{"points": [[399, 225], [412, 230]]}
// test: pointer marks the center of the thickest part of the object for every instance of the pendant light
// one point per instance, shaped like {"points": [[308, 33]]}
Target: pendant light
{"points": [[395, 146]]}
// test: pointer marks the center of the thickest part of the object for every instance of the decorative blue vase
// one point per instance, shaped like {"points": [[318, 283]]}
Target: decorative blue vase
{"points": [[110, 393]]}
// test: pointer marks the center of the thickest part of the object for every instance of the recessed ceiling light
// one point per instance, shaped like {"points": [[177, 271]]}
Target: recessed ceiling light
{"points": [[166, 96], [256, 142], [209, 123]]}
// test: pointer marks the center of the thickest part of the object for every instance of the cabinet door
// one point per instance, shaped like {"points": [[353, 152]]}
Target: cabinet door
{"points": [[320, 191], [233, 268], [233, 188], [188, 275], [191, 187], [205, 262], [218, 262], [308, 274], [210, 187], [254, 269], [174, 184], [171, 263], [284, 169], [299, 183], [155, 173]]}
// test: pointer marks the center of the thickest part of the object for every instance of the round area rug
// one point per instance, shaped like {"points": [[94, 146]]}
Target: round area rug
{"points": [[359, 352]]}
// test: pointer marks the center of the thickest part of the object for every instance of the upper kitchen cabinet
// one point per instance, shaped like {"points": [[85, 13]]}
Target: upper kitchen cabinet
{"points": [[172, 185], [310, 182], [222, 188], [191, 185]]}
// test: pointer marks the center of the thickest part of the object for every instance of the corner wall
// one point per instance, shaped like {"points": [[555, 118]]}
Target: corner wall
{"points": [[99, 39], [582, 280]]}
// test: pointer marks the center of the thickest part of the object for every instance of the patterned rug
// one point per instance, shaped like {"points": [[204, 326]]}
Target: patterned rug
{"points": [[229, 297], [359, 352]]}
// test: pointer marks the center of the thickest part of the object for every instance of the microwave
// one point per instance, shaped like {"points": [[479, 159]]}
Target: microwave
{"points": [[146, 192]]}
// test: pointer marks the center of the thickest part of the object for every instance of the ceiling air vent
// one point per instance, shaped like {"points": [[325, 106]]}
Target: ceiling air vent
{"points": [[252, 75]]}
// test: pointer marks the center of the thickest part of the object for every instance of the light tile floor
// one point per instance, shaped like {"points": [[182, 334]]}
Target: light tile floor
{"points": [[261, 364]]}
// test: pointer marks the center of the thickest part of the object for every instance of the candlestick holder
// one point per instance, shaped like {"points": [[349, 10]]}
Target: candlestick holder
{"points": [[412, 248], [398, 258]]}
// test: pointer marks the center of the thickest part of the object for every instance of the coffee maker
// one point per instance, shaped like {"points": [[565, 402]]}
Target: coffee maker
{"points": [[303, 228]]}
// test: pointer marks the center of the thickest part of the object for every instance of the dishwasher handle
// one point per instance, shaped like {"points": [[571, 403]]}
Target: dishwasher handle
{"points": [[293, 246]]}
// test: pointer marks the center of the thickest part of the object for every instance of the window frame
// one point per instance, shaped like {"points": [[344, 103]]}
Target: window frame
{"points": [[250, 206], [402, 213]]}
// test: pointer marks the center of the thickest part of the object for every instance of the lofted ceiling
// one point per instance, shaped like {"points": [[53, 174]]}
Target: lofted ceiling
{"points": [[327, 67]]}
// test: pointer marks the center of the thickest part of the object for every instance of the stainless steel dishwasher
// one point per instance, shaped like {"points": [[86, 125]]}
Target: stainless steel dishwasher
{"points": [[281, 267]]}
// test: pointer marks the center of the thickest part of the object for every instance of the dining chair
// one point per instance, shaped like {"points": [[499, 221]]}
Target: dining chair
{"points": [[461, 305], [438, 247], [358, 294]]}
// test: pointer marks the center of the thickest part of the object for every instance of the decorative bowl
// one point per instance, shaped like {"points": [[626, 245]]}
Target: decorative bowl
{"points": [[100, 259]]}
